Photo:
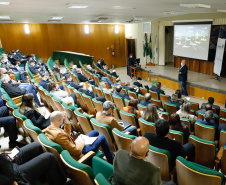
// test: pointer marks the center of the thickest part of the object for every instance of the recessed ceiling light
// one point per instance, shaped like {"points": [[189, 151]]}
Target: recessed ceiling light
{"points": [[172, 12], [77, 6], [139, 18], [222, 11], [5, 17], [5, 2], [195, 5], [56, 18]]}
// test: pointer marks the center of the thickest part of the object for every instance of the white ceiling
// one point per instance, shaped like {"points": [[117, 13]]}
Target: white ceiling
{"points": [[117, 11]]}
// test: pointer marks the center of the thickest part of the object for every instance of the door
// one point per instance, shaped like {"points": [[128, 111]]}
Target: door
{"points": [[131, 47]]}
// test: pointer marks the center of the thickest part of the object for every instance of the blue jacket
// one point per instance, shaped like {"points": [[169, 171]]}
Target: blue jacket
{"points": [[184, 73]]}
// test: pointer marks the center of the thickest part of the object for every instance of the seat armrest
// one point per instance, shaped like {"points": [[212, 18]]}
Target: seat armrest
{"points": [[86, 157], [91, 116], [59, 83], [68, 103], [218, 158], [17, 99], [128, 133]]}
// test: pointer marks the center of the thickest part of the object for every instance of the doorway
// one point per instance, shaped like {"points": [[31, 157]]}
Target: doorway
{"points": [[131, 47]]}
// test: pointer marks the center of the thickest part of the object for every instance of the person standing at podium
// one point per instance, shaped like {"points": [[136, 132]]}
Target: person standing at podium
{"points": [[183, 73], [130, 63]]}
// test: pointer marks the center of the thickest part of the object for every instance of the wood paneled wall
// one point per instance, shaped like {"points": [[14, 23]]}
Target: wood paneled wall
{"points": [[45, 38], [195, 65]]}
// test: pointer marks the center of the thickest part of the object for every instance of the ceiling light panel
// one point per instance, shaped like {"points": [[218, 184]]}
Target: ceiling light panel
{"points": [[5, 2], [77, 6], [5, 17], [195, 5], [56, 18]]}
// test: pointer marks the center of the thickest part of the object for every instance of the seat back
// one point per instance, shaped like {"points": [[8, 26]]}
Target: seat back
{"points": [[176, 135], [201, 116], [132, 94], [171, 109], [84, 122], [222, 120], [222, 139], [58, 104], [79, 173], [143, 90], [98, 105], [186, 121], [52, 103], [66, 88], [158, 103], [32, 130], [164, 97], [99, 92], [116, 114], [203, 131], [105, 130], [141, 97], [154, 95], [223, 161], [194, 105], [81, 101], [90, 105], [119, 102], [108, 96], [160, 157], [165, 115], [191, 173], [205, 151], [122, 140], [141, 107], [128, 117], [222, 113], [146, 126]]}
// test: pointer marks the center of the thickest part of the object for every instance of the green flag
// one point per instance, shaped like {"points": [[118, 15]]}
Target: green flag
{"points": [[150, 48], [144, 50]]}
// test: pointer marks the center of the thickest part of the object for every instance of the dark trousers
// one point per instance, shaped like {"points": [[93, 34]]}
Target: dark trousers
{"points": [[35, 164], [73, 95], [102, 99], [101, 141], [183, 87], [9, 123], [92, 82], [189, 150]]}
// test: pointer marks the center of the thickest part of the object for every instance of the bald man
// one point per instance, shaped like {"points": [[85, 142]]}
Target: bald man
{"points": [[131, 169], [183, 73]]}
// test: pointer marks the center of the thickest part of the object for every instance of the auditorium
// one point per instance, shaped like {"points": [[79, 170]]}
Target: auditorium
{"points": [[112, 92]]}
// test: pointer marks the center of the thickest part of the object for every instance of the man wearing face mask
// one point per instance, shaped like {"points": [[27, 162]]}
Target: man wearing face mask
{"points": [[183, 72]]}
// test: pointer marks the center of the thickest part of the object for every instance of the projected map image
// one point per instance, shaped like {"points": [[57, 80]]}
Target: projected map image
{"points": [[191, 41]]}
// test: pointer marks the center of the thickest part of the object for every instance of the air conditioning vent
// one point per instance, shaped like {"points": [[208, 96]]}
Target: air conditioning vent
{"points": [[5, 20], [54, 20], [146, 27]]}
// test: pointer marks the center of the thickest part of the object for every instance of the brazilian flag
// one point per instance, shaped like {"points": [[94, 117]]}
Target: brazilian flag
{"points": [[150, 48]]}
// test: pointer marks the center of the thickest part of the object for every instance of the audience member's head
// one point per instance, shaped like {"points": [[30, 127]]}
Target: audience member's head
{"points": [[51, 86], [147, 97], [151, 113], [74, 67], [208, 115], [102, 85], [56, 118], [118, 88], [3, 71], [79, 70], [162, 127], [158, 85], [118, 80], [127, 83], [5, 78], [32, 62], [68, 77], [211, 100], [186, 108], [174, 120], [89, 67], [174, 97], [178, 92], [133, 103], [98, 60], [82, 85], [45, 76], [208, 107], [55, 64], [139, 79], [139, 148], [108, 107], [27, 102]]}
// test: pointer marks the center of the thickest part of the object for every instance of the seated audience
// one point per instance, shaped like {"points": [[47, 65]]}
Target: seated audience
{"points": [[14, 91], [138, 82], [184, 112], [132, 169], [54, 89], [208, 107], [127, 87], [99, 63], [45, 81], [132, 108], [173, 101], [38, 63], [57, 69], [211, 102], [151, 113], [29, 165], [9, 125], [102, 63], [58, 75], [64, 139], [208, 119], [147, 100], [74, 69], [83, 78], [105, 69], [160, 140], [178, 92], [117, 82], [107, 117], [35, 69], [30, 110], [10, 58], [157, 88], [19, 57], [70, 82], [174, 123], [120, 94]]}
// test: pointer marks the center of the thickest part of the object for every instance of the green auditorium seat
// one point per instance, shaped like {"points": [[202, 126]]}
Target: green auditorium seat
{"points": [[32, 130], [176, 135], [146, 126], [203, 131], [128, 117]]}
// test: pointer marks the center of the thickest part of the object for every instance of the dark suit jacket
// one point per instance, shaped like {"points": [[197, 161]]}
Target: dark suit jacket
{"points": [[33, 69], [98, 65], [123, 95], [87, 92], [178, 104], [74, 71], [73, 84], [137, 84], [144, 103], [128, 88], [211, 123], [44, 83], [184, 73], [130, 61], [12, 90], [81, 77], [158, 90]]}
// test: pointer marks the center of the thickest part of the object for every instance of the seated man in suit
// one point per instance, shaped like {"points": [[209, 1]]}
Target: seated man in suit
{"points": [[208, 119], [105, 68], [99, 63], [83, 78], [45, 81], [63, 138], [127, 87], [147, 100], [208, 107], [157, 88], [102, 63], [211, 102], [14, 91], [160, 140], [70, 82], [138, 82], [35, 69], [173, 101], [74, 69], [120, 94], [89, 92], [107, 117], [41, 64]]}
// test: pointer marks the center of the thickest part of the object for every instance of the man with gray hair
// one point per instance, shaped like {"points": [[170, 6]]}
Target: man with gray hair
{"points": [[107, 117], [74, 69], [45, 81], [208, 119], [173, 101]]}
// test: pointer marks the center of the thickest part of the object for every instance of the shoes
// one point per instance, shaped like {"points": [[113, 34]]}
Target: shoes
{"points": [[15, 143]]}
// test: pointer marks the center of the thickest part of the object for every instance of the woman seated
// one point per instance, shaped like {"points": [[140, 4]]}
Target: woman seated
{"points": [[54, 89], [132, 108], [184, 112], [30, 109], [151, 113], [58, 74], [175, 124]]}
